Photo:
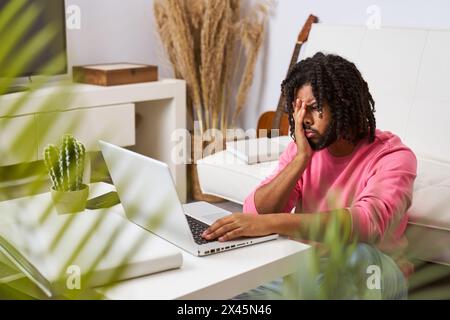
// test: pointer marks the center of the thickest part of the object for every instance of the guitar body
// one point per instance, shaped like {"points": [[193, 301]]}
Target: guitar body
{"points": [[266, 120], [279, 119]]}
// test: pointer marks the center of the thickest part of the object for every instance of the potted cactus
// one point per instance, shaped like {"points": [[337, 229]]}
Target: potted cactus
{"points": [[65, 166]]}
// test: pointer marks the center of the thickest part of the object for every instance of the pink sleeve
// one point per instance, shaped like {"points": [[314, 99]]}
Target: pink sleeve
{"points": [[285, 158], [387, 196]]}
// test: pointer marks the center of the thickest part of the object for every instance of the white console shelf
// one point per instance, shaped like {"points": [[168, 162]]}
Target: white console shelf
{"points": [[142, 115]]}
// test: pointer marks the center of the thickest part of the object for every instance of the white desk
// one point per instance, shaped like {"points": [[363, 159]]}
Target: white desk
{"points": [[219, 276]]}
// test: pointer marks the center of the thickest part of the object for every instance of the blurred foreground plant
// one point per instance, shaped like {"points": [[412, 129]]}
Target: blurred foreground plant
{"points": [[28, 177]]}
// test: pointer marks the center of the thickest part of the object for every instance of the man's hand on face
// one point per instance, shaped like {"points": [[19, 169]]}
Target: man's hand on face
{"points": [[238, 225], [304, 149]]}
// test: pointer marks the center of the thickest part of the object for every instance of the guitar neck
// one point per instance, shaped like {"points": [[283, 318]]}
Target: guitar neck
{"points": [[302, 37], [295, 55]]}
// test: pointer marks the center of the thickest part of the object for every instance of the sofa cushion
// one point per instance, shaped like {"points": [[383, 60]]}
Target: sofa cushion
{"points": [[431, 199], [429, 216], [224, 175]]}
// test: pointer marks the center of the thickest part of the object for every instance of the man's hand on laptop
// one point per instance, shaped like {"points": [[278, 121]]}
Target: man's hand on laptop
{"points": [[238, 225]]}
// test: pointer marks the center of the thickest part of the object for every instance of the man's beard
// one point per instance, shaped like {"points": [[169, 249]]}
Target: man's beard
{"points": [[325, 140]]}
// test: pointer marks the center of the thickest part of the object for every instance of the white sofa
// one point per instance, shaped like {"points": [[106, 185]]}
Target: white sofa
{"points": [[408, 74]]}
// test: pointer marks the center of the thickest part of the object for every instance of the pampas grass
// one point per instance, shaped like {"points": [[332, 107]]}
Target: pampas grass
{"points": [[203, 39], [252, 37], [179, 40]]}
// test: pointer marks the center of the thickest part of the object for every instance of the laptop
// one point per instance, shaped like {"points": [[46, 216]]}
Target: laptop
{"points": [[147, 192]]}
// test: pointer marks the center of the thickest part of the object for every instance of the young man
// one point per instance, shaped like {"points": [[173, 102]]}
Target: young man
{"points": [[339, 167]]}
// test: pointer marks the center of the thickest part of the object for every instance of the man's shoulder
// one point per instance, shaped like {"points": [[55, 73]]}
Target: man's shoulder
{"points": [[388, 141], [389, 147]]}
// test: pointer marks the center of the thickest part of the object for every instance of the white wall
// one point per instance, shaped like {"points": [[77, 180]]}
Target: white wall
{"points": [[290, 15], [118, 30], [115, 31]]}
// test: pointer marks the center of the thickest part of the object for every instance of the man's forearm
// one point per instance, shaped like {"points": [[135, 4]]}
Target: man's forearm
{"points": [[312, 226], [273, 196]]}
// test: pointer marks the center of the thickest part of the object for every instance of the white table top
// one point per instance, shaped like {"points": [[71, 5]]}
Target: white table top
{"points": [[218, 276]]}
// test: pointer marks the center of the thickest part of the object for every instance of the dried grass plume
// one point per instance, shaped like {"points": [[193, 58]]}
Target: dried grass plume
{"points": [[212, 46]]}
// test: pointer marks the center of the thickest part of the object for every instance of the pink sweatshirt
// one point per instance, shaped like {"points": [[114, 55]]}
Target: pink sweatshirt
{"points": [[375, 183]]}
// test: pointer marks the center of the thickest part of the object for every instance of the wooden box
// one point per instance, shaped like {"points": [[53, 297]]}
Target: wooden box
{"points": [[114, 74]]}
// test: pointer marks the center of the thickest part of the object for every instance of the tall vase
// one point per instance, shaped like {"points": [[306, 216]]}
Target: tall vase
{"points": [[197, 147]]}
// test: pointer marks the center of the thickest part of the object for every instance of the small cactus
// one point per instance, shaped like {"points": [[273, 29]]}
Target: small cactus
{"points": [[65, 164]]}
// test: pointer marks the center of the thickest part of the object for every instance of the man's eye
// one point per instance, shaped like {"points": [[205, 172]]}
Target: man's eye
{"points": [[315, 107]]}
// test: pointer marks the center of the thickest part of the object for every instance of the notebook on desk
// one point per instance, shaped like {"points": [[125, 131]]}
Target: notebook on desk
{"points": [[52, 250]]}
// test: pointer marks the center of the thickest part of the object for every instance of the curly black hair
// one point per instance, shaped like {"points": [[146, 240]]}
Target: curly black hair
{"points": [[338, 82]]}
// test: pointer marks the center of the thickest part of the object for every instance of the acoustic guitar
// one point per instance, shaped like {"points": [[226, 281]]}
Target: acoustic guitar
{"points": [[279, 119]]}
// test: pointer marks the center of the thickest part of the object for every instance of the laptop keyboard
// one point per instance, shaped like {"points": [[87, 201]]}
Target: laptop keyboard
{"points": [[197, 228]]}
